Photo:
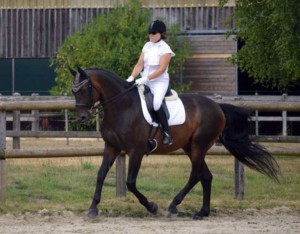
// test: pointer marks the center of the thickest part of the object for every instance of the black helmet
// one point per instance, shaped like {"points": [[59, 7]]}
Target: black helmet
{"points": [[157, 26]]}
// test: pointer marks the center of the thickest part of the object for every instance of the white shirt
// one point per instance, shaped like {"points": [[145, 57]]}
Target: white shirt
{"points": [[152, 54]]}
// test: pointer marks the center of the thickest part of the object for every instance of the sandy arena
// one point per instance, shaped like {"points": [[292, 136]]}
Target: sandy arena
{"points": [[280, 220]]}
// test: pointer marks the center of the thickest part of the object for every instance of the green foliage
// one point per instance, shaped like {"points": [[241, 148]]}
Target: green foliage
{"points": [[181, 47], [270, 30], [113, 41]]}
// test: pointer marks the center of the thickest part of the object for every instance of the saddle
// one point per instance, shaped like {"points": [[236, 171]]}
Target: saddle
{"points": [[172, 105], [149, 102]]}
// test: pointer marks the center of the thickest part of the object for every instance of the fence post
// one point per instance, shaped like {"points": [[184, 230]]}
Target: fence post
{"points": [[239, 180], [284, 123], [35, 125], [121, 175], [67, 126], [284, 118], [97, 121], [16, 126], [2, 156], [256, 120]]}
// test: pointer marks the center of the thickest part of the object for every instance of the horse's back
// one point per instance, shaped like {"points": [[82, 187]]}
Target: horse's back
{"points": [[204, 111], [200, 103]]}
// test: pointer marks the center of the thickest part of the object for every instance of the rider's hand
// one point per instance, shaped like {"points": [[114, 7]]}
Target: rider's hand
{"points": [[142, 81], [130, 79]]}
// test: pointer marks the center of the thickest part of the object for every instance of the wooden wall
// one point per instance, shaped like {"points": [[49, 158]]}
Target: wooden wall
{"points": [[29, 33], [39, 32], [34, 4], [208, 67]]}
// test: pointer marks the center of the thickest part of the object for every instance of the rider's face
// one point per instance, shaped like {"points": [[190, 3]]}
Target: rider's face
{"points": [[154, 37]]}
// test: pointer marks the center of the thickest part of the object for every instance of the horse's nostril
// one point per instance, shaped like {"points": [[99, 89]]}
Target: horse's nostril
{"points": [[83, 118]]}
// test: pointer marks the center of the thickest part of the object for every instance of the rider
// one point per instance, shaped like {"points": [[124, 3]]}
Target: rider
{"points": [[153, 66]]}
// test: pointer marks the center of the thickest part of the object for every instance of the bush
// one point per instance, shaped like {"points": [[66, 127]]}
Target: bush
{"points": [[113, 41]]}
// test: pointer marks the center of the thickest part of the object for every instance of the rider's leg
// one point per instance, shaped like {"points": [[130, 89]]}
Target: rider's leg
{"points": [[162, 118], [159, 89]]}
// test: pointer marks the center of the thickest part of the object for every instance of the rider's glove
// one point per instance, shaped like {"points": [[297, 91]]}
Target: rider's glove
{"points": [[130, 79], [142, 81]]}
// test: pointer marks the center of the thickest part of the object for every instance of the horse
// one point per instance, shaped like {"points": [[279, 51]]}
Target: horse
{"points": [[125, 129]]}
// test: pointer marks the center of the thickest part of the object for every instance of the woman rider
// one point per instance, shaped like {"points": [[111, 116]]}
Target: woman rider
{"points": [[153, 66]]}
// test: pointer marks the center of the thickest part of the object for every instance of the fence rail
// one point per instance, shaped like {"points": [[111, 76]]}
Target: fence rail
{"points": [[54, 103]]}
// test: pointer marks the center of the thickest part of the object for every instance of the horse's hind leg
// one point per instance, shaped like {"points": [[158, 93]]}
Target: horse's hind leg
{"points": [[200, 172], [206, 180], [180, 196]]}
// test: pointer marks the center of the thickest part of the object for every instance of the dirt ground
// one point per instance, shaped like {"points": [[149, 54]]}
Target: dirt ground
{"points": [[280, 220]]}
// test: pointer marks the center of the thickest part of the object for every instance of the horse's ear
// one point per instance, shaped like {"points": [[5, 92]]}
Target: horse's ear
{"points": [[73, 72], [81, 72]]}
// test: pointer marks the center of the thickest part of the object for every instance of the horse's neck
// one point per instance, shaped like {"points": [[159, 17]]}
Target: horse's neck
{"points": [[110, 88]]}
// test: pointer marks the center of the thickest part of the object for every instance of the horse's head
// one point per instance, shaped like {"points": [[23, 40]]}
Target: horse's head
{"points": [[83, 92]]}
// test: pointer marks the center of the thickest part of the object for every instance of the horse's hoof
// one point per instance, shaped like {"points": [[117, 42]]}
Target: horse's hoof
{"points": [[172, 213], [197, 217], [200, 215], [93, 213], [152, 208]]}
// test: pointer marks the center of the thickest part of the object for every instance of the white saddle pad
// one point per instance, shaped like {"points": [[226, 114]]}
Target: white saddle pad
{"points": [[174, 104]]}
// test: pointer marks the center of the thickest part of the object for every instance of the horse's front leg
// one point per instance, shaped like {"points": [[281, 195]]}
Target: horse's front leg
{"points": [[133, 170], [110, 155]]}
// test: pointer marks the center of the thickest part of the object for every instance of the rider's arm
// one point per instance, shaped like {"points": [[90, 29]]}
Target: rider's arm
{"points": [[138, 67]]}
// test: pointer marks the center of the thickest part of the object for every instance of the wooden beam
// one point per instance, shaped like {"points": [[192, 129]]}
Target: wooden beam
{"points": [[3, 172], [58, 134], [37, 105], [203, 56]]}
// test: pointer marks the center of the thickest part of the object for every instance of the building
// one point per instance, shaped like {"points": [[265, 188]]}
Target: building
{"points": [[32, 30]]}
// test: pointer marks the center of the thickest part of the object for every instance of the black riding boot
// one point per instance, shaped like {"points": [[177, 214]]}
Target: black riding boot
{"points": [[162, 118]]}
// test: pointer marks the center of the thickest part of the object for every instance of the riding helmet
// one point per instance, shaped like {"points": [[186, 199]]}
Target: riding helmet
{"points": [[157, 26]]}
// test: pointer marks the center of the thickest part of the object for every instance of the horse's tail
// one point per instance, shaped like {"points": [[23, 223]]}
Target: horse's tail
{"points": [[235, 138]]}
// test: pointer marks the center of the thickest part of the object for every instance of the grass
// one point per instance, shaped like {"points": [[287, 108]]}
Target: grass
{"points": [[68, 184]]}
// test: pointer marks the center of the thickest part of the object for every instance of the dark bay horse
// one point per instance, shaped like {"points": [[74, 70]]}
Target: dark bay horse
{"points": [[125, 129]]}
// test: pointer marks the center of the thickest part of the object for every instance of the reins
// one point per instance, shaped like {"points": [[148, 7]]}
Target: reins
{"points": [[115, 98], [76, 88]]}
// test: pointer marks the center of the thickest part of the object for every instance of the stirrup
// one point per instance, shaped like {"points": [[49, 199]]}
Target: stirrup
{"points": [[151, 146], [167, 139]]}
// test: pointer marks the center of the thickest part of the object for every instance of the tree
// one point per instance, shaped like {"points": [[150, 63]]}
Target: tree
{"points": [[113, 41], [270, 31]]}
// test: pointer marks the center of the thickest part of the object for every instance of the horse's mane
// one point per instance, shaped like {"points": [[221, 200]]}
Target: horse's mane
{"points": [[111, 75]]}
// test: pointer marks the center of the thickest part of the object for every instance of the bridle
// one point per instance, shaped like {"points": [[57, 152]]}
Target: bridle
{"points": [[91, 105], [76, 88]]}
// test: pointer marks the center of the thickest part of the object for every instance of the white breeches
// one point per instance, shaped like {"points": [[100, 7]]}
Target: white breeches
{"points": [[159, 89]]}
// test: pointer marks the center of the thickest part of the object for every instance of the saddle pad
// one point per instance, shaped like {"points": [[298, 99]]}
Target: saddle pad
{"points": [[175, 107]]}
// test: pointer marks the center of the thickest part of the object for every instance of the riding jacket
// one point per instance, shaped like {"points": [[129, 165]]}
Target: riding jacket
{"points": [[159, 85]]}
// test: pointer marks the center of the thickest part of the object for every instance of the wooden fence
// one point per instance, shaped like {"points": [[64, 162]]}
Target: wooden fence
{"points": [[63, 103]]}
